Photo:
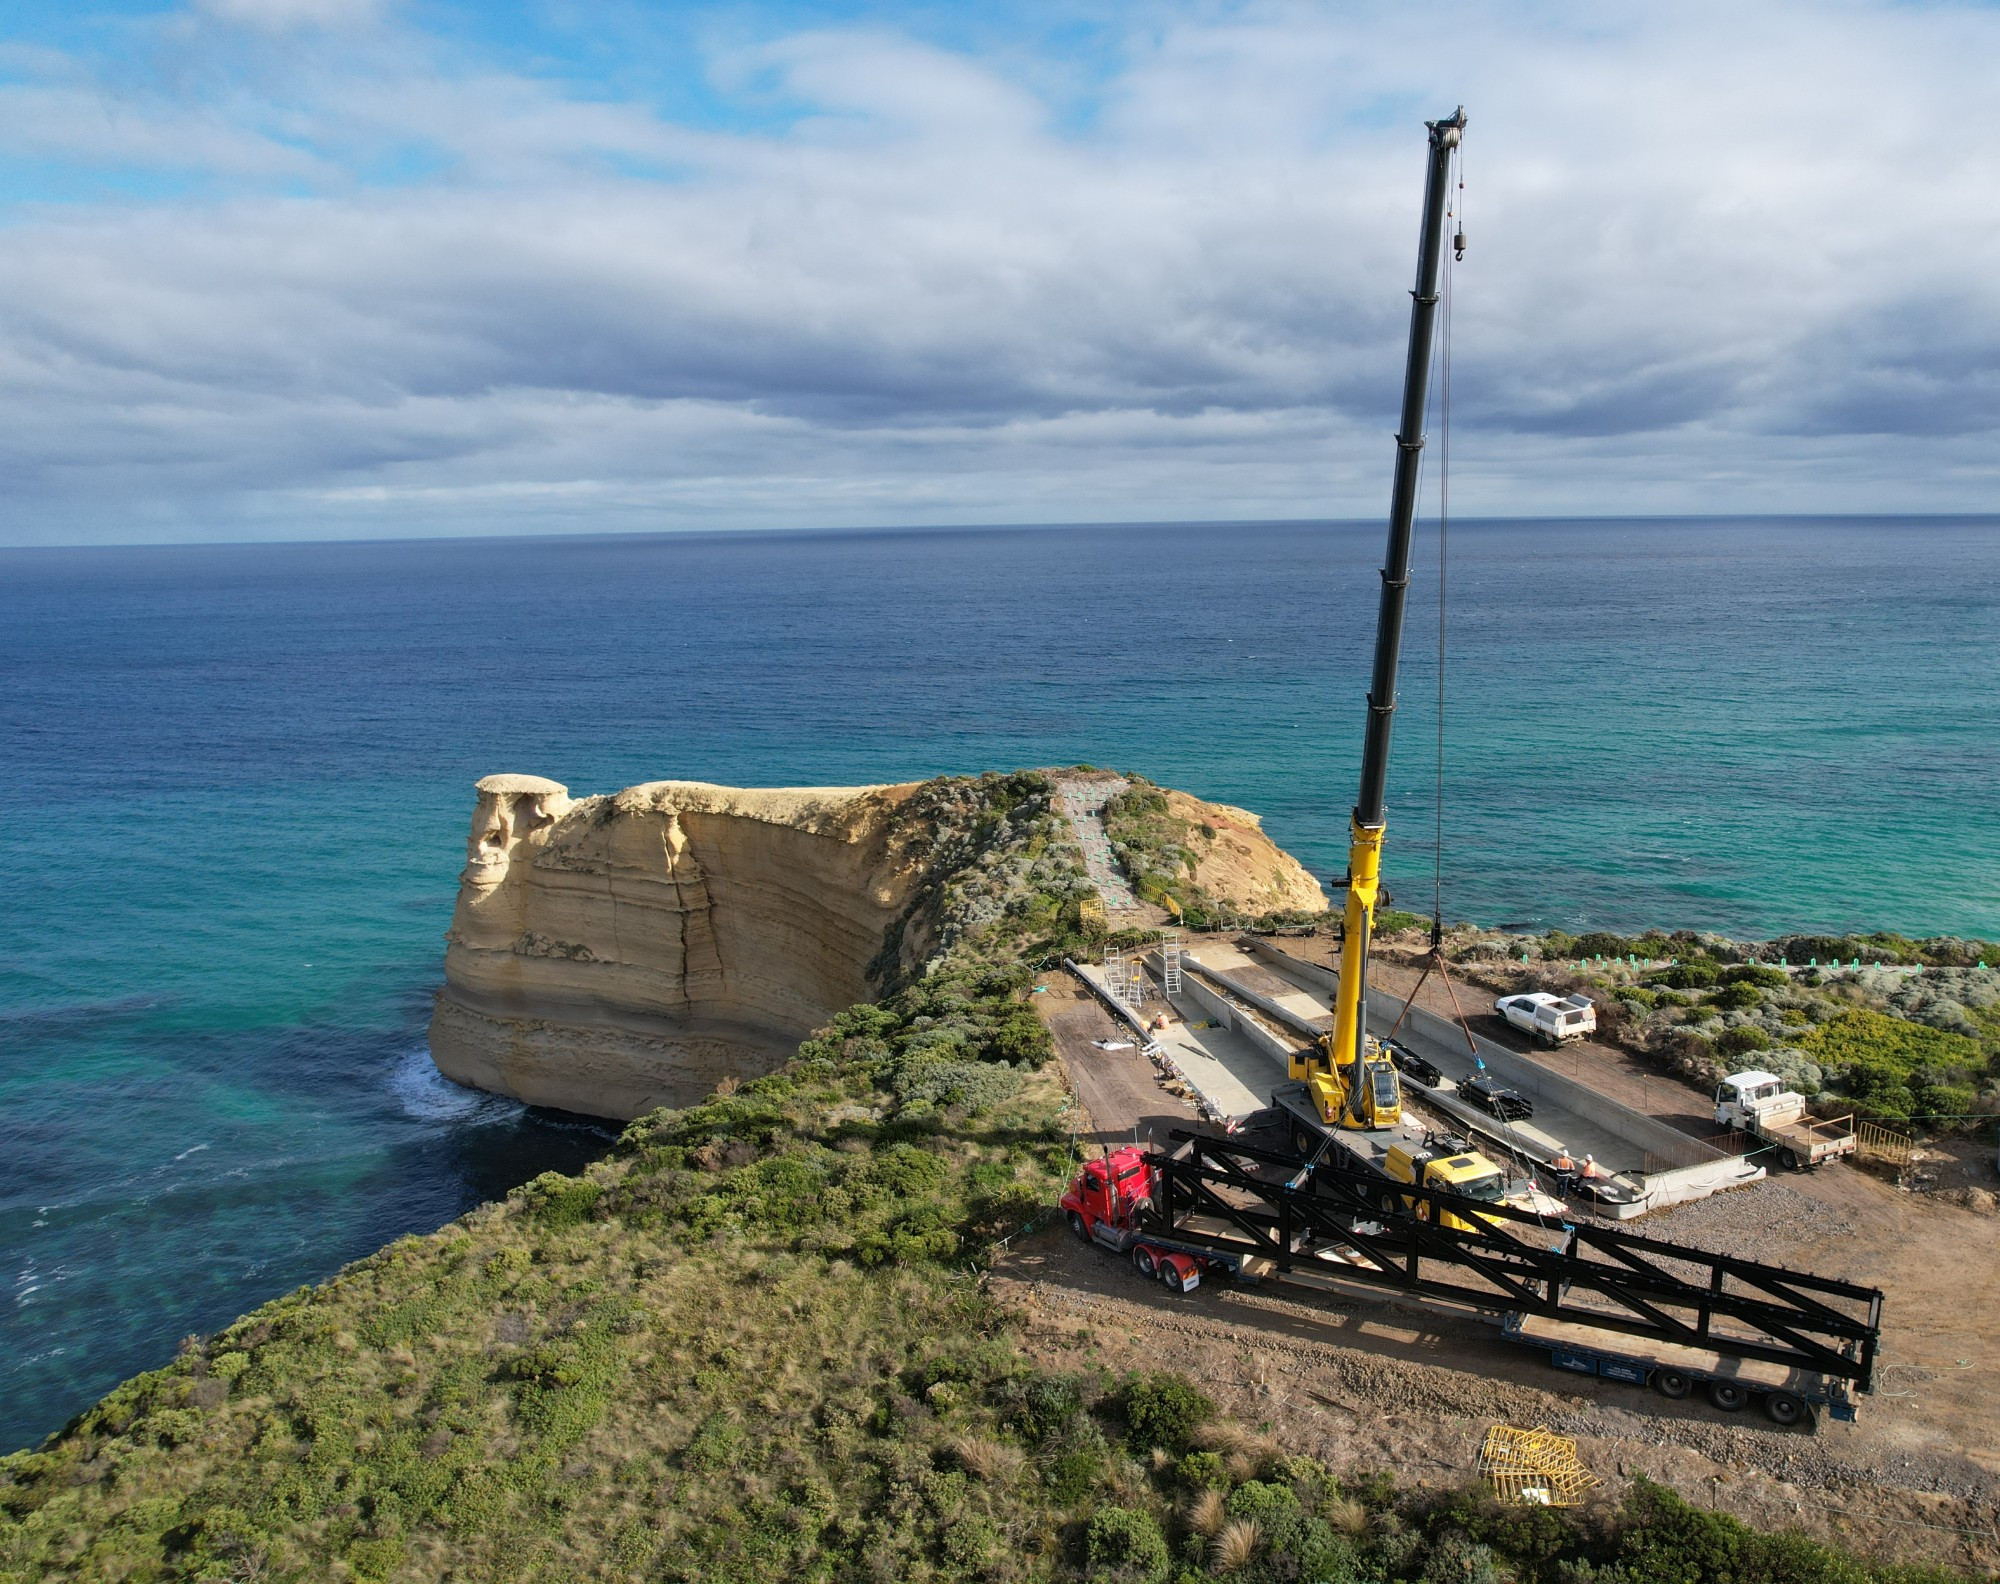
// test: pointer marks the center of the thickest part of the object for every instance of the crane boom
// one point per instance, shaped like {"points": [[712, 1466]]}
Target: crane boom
{"points": [[1361, 1096]]}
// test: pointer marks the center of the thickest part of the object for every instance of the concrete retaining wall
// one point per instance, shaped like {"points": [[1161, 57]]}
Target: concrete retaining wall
{"points": [[1263, 1003], [1666, 1144], [1254, 1033]]}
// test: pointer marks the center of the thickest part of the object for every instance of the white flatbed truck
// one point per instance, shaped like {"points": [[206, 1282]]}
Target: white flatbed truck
{"points": [[1758, 1103]]}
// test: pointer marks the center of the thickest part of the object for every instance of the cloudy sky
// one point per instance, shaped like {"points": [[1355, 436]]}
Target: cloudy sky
{"points": [[349, 267]]}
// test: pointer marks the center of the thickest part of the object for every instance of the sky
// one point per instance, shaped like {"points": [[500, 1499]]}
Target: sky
{"points": [[331, 268]]}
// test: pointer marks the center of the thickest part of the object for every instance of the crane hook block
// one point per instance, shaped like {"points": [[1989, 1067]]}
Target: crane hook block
{"points": [[1458, 244]]}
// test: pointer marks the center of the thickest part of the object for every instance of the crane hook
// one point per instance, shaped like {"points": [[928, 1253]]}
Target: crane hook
{"points": [[1458, 244]]}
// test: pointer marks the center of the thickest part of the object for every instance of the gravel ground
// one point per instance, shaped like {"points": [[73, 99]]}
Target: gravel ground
{"points": [[1767, 1216]]}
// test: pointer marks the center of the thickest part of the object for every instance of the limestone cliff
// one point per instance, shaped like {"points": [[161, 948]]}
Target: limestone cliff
{"points": [[613, 954], [617, 953], [1240, 864]]}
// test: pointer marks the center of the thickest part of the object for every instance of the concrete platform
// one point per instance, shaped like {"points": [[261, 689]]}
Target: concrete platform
{"points": [[1228, 1074], [1662, 1164]]}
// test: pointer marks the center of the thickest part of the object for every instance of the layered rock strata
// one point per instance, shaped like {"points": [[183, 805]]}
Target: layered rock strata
{"points": [[613, 954]]}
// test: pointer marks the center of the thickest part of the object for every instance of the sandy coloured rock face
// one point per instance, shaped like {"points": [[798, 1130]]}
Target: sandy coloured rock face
{"points": [[612, 954]]}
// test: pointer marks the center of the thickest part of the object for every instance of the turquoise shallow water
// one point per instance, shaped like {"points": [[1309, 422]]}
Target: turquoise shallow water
{"points": [[240, 779]]}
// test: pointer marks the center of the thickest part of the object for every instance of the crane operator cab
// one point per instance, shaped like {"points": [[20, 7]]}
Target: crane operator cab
{"points": [[1371, 1099]]}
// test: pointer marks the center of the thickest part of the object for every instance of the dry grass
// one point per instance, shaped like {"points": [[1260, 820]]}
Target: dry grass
{"points": [[1242, 1466], [993, 1462], [1236, 1546], [1224, 1436], [1345, 1514], [1204, 1514]]}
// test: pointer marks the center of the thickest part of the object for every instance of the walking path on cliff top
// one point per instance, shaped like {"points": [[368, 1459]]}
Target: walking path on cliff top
{"points": [[1082, 799]]}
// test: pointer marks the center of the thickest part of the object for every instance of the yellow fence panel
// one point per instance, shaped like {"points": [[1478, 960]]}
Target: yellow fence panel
{"points": [[1536, 1466], [1881, 1144]]}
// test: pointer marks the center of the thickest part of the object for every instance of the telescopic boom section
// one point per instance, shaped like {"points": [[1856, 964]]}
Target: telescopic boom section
{"points": [[1364, 852]]}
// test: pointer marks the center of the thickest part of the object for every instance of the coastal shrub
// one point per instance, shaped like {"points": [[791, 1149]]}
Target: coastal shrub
{"points": [[558, 1201], [1737, 997], [1162, 1410], [1756, 974], [1394, 921], [1202, 1471], [1861, 1042], [1124, 1545], [1742, 1041], [1691, 973]]}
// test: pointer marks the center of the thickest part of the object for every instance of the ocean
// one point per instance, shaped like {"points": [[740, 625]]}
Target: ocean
{"points": [[241, 777]]}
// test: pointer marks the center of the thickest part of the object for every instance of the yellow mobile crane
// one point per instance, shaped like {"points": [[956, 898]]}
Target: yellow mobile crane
{"points": [[1349, 1080]]}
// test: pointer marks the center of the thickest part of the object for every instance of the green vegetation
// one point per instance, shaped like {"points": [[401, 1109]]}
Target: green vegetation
{"points": [[1394, 921], [1898, 1070], [751, 1344], [1911, 1037], [1158, 851]]}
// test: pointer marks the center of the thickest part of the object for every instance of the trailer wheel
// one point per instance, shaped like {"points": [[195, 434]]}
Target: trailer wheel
{"points": [[1727, 1395], [1142, 1261], [1076, 1225], [1302, 1141], [1671, 1383], [1783, 1408]]}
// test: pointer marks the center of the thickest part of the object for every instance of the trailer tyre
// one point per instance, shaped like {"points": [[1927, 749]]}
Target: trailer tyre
{"points": [[1784, 1408], [1671, 1383], [1142, 1261], [1727, 1395]]}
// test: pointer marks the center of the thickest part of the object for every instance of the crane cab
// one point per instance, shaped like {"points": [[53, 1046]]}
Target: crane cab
{"points": [[1373, 1100]]}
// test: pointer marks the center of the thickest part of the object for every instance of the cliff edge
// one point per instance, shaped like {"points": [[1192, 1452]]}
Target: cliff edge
{"points": [[618, 953]]}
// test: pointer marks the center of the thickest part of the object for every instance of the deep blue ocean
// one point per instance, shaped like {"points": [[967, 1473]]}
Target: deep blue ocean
{"points": [[239, 780]]}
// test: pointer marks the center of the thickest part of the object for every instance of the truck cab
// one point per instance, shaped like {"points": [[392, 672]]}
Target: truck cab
{"points": [[1109, 1191], [1749, 1100], [1552, 1019], [1452, 1167]]}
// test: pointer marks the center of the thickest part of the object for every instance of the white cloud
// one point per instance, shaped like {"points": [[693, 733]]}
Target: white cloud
{"points": [[277, 16], [1713, 268]]}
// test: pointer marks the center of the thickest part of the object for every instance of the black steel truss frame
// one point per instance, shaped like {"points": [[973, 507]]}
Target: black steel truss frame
{"points": [[1667, 1292]]}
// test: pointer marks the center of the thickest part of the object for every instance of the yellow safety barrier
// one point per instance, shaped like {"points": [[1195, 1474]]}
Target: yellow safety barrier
{"points": [[1536, 1466], [1881, 1144]]}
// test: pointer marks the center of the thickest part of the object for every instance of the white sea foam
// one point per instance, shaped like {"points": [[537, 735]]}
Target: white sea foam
{"points": [[426, 1095], [193, 1150]]}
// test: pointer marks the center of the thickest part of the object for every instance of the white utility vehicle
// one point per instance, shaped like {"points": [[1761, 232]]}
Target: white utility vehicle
{"points": [[1759, 1103], [1552, 1019]]}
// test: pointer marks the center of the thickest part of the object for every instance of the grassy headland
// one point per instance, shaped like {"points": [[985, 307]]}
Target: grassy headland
{"points": [[753, 1344]]}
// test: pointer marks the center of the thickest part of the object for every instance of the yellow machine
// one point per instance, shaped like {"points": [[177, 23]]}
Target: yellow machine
{"points": [[1466, 1173], [1349, 1077]]}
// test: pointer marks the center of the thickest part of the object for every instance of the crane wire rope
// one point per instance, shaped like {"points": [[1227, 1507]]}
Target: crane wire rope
{"points": [[1455, 211]]}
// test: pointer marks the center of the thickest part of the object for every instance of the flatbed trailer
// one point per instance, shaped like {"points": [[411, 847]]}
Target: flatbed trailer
{"points": [[1593, 1300]]}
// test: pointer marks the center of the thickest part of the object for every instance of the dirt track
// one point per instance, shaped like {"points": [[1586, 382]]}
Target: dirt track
{"points": [[1371, 1384]]}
